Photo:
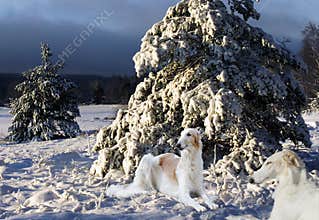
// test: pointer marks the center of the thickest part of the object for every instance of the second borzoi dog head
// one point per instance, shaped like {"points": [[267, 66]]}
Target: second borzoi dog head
{"points": [[280, 163], [190, 137]]}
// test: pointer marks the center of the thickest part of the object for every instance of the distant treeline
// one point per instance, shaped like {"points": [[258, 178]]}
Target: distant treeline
{"points": [[91, 89]]}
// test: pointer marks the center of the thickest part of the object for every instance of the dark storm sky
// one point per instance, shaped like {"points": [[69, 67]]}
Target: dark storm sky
{"points": [[109, 50]]}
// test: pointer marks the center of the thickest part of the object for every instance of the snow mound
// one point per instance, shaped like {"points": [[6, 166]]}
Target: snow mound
{"points": [[42, 197]]}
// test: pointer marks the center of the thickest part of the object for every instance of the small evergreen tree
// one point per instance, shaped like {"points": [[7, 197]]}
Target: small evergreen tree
{"points": [[47, 106]]}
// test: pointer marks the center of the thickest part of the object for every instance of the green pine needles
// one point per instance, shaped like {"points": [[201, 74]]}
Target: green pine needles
{"points": [[47, 106]]}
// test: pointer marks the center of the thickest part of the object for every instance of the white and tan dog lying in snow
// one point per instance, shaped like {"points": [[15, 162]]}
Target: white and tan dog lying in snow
{"points": [[170, 174], [296, 198]]}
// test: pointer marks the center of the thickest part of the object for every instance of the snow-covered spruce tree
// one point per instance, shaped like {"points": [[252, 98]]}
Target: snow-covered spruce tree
{"points": [[205, 67], [47, 106]]}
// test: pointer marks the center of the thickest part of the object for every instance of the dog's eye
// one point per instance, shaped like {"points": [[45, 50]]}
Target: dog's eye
{"points": [[268, 163], [188, 134]]}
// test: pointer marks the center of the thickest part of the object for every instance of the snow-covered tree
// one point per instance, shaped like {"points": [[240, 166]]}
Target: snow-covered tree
{"points": [[47, 106], [204, 66]]}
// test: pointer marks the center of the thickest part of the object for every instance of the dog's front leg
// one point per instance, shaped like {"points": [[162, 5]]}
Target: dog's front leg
{"points": [[206, 199], [184, 197]]}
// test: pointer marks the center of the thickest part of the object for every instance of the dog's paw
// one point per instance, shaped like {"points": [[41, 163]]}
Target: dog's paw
{"points": [[199, 208], [212, 205], [209, 202]]}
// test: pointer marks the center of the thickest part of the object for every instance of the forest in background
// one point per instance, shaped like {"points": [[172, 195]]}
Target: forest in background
{"points": [[91, 89]]}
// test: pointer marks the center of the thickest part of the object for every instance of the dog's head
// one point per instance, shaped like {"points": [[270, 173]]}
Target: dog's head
{"points": [[190, 137], [276, 165]]}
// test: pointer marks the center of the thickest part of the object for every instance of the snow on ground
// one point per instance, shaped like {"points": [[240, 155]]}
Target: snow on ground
{"points": [[5, 119], [50, 180], [312, 120], [94, 117]]}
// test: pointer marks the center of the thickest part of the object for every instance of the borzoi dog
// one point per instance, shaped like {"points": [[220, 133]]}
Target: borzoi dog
{"points": [[296, 198], [170, 174]]}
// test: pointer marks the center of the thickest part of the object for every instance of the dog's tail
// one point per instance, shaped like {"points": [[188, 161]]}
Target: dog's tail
{"points": [[142, 182], [123, 191]]}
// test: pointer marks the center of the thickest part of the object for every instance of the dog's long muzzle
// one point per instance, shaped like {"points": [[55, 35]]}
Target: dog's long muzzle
{"points": [[177, 149]]}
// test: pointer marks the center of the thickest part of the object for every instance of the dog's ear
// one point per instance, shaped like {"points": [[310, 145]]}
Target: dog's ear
{"points": [[199, 130], [292, 159], [196, 138]]}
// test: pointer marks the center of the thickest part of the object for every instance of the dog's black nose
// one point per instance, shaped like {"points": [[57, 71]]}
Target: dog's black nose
{"points": [[251, 180], [178, 146]]}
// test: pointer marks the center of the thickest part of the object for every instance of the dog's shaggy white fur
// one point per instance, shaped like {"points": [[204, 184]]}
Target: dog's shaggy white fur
{"points": [[170, 174], [296, 198]]}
